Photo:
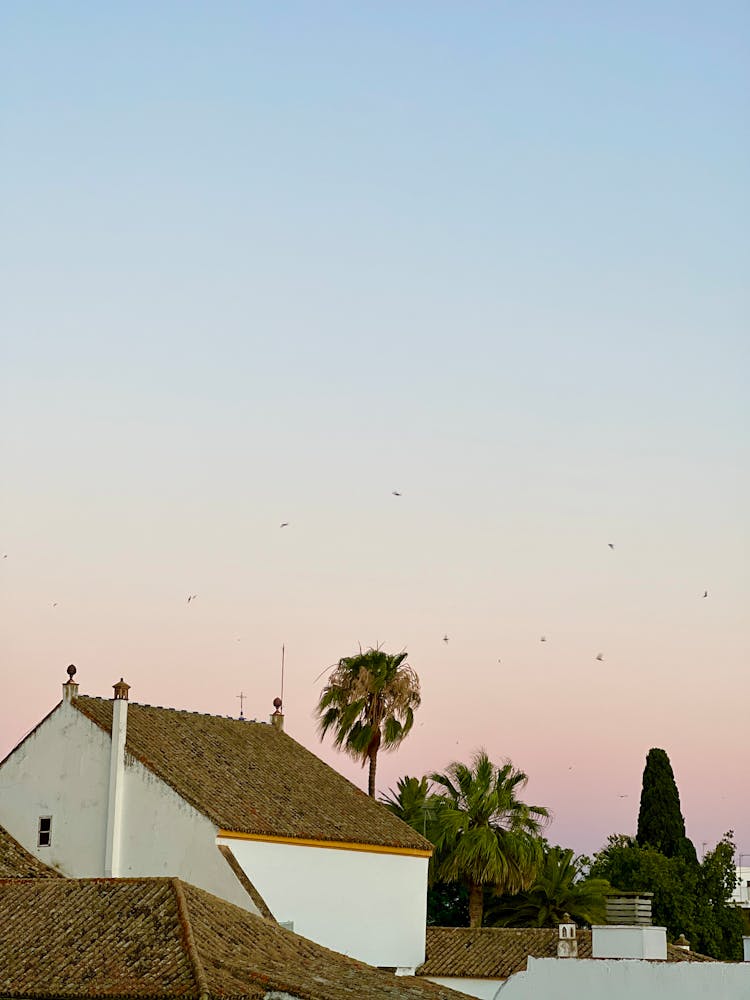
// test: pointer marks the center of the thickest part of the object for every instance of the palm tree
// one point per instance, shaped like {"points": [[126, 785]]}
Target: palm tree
{"points": [[558, 889], [369, 703], [483, 834], [410, 802]]}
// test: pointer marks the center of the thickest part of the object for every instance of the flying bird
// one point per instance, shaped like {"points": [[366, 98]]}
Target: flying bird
{"points": [[191, 597], [600, 656], [705, 593], [284, 524], [610, 544], [395, 493], [543, 638], [54, 604], [446, 639]]}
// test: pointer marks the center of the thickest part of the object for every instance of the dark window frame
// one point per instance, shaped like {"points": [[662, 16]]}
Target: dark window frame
{"points": [[44, 831]]}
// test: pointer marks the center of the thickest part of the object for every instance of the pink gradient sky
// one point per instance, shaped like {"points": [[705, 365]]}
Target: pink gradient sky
{"points": [[299, 260]]}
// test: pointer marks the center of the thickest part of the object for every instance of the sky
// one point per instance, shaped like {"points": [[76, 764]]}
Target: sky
{"points": [[268, 263]]}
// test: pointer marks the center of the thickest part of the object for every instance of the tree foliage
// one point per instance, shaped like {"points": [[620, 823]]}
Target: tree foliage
{"points": [[484, 835], [660, 821], [689, 898], [410, 802], [557, 889], [369, 703]]}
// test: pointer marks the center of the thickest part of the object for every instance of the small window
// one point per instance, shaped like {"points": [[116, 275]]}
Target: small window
{"points": [[45, 831]]}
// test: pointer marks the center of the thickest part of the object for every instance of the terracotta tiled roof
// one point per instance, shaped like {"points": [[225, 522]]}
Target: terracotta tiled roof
{"points": [[162, 938], [499, 952], [16, 862], [249, 777]]}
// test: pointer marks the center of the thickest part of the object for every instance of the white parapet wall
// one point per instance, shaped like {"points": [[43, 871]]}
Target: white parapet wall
{"points": [[627, 941], [563, 979]]}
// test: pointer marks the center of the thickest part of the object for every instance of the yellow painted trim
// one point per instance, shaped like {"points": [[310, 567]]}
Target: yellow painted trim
{"points": [[340, 845]]}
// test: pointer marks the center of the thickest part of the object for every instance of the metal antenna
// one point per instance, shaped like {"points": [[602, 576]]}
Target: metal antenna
{"points": [[282, 672]]}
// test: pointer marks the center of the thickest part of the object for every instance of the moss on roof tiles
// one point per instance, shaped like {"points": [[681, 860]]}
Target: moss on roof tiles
{"points": [[250, 778], [162, 938], [17, 862]]}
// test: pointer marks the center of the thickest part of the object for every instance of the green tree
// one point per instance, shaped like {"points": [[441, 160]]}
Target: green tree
{"points": [[557, 889], [369, 704], [484, 835], [660, 821], [688, 898], [410, 802]]}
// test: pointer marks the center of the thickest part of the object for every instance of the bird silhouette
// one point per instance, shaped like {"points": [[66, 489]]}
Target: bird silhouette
{"points": [[610, 545], [395, 493], [705, 593], [54, 604], [284, 524], [599, 656], [446, 639], [543, 638], [191, 597]]}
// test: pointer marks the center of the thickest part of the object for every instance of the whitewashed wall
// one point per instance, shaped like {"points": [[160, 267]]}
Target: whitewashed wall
{"points": [[617, 979], [62, 771], [371, 906], [163, 835]]}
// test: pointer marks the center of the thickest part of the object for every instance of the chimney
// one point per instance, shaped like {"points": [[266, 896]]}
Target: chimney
{"points": [[567, 943], [277, 719], [70, 688], [116, 779], [682, 943], [629, 941], [631, 909], [746, 949]]}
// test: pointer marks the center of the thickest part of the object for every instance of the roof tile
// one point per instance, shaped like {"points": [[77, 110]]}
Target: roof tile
{"points": [[499, 952], [162, 938], [17, 862], [248, 777]]}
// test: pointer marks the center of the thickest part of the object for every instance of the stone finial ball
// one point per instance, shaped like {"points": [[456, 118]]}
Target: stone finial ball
{"points": [[71, 671], [277, 702]]}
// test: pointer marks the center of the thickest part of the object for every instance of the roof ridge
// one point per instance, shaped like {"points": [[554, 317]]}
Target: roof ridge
{"points": [[183, 915], [178, 711]]}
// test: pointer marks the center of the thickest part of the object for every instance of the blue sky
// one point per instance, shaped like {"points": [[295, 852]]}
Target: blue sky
{"points": [[272, 262]]}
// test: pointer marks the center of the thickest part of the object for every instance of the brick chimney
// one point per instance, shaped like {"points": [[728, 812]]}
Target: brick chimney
{"points": [[116, 779], [70, 688]]}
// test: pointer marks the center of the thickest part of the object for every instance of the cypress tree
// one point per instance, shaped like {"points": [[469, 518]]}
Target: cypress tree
{"points": [[660, 822]]}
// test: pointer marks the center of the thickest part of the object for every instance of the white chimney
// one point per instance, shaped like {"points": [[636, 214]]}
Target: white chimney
{"points": [[567, 942], [116, 780], [746, 949], [629, 941]]}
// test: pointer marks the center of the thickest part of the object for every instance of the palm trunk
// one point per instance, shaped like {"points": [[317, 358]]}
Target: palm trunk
{"points": [[372, 753], [476, 904]]}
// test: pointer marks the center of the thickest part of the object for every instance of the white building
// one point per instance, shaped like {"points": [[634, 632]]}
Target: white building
{"points": [[741, 894], [240, 809], [612, 961]]}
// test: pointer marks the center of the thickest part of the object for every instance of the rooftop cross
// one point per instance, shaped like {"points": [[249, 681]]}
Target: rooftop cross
{"points": [[242, 697]]}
